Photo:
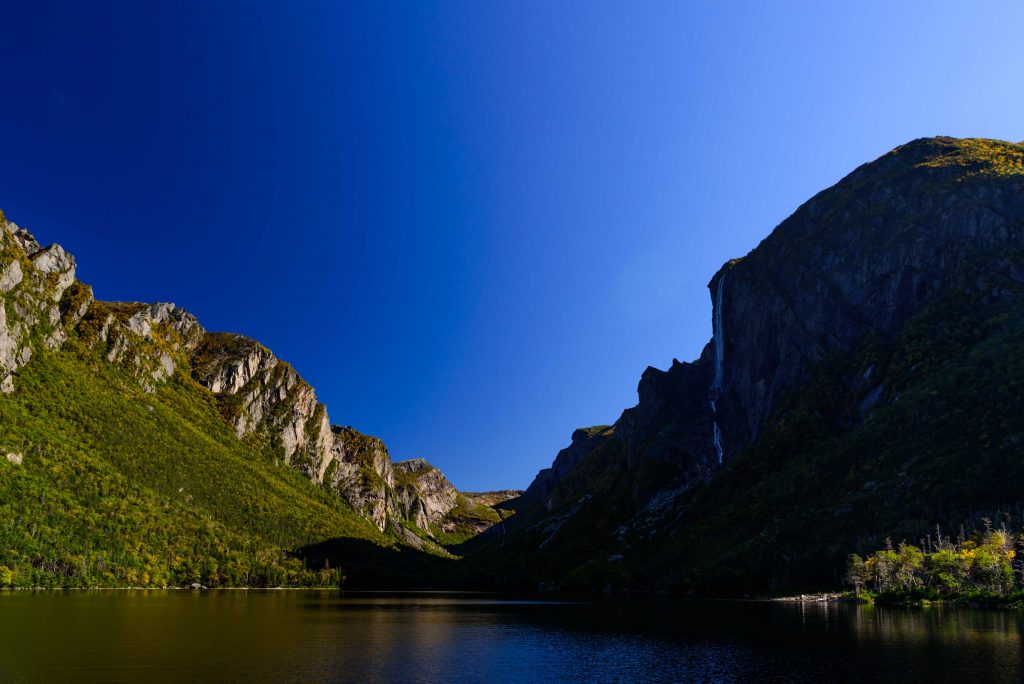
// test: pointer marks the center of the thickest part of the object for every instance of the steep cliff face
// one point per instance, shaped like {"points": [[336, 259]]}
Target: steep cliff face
{"points": [[870, 290], [119, 470], [655, 452], [861, 258], [148, 340], [264, 400], [263, 397], [40, 300], [362, 473], [424, 493]]}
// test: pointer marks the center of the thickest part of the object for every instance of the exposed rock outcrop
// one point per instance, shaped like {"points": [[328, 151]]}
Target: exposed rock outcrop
{"points": [[40, 298], [494, 499], [148, 340], [851, 267], [859, 258], [261, 395], [361, 471], [262, 398], [862, 257], [424, 494]]}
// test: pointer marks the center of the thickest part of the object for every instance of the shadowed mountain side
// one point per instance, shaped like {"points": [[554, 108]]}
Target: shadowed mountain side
{"points": [[365, 565], [862, 382]]}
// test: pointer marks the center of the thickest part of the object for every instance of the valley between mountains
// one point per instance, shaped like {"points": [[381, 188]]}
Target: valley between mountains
{"points": [[864, 380]]}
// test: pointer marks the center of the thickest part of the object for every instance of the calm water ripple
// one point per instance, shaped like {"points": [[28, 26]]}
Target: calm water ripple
{"points": [[307, 636]]}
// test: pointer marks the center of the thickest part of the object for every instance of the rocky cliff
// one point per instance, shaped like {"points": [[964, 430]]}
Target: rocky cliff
{"points": [[263, 399], [864, 379], [41, 298], [862, 258], [872, 289], [425, 494]]}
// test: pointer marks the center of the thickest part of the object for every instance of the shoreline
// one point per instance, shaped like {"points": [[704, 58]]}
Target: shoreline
{"points": [[826, 598], [823, 597], [848, 598]]}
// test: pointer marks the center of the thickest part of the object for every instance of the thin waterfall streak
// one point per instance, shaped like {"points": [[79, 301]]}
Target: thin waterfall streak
{"points": [[716, 384]]}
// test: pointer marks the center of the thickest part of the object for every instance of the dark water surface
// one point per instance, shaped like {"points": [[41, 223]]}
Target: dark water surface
{"points": [[307, 636]]}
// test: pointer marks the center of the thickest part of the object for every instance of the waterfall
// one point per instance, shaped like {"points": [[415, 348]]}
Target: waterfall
{"points": [[716, 384], [717, 437]]}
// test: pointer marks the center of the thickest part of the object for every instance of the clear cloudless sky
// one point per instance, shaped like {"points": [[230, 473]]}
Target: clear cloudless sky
{"points": [[469, 225]]}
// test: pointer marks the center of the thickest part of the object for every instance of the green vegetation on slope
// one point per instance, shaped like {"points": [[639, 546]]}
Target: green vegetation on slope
{"points": [[920, 427], [572, 549], [880, 330], [943, 446], [122, 487], [464, 522], [980, 157]]}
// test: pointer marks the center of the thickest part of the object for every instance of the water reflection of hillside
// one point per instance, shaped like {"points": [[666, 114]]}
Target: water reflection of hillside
{"points": [[928, 637], [302, 636], [1000, 628]]}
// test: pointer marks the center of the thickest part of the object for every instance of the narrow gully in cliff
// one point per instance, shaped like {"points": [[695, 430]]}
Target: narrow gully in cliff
{"points": [[716, 383]]}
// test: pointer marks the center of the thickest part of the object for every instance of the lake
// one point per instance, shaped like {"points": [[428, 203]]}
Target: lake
{"points": [[311, 636]]}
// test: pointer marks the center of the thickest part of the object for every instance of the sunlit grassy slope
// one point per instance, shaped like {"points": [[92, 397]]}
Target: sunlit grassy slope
{"points": [[123, 487]]}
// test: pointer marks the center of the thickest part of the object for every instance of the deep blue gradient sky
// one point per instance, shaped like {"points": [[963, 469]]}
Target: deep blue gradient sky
{"points": [[470, 226]]}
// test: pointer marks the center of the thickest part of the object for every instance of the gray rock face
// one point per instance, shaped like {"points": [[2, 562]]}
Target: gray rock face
{"points": [[40, 298], [854, 263], [148, 340], [28, 243], [269, 400], [818, 285], [495, 498], [226, 363], [362, 473], [425, 495], [10, 358], [10, 276], [859, 258], [262, 398], [272, 399], [53, 260]]}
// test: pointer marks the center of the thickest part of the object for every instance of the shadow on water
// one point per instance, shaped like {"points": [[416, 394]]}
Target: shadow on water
{"points": [[301, 636]]}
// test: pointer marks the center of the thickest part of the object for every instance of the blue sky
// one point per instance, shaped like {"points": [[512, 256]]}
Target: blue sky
{"points": [[470, 226]]}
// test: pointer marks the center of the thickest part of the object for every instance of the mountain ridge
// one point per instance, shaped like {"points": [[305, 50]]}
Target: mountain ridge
{"points": [[862, 381], [848, 280], [157, 355]]}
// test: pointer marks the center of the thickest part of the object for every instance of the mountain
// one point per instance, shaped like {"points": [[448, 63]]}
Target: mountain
{"points": [[143, 450], [863, 381]]}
